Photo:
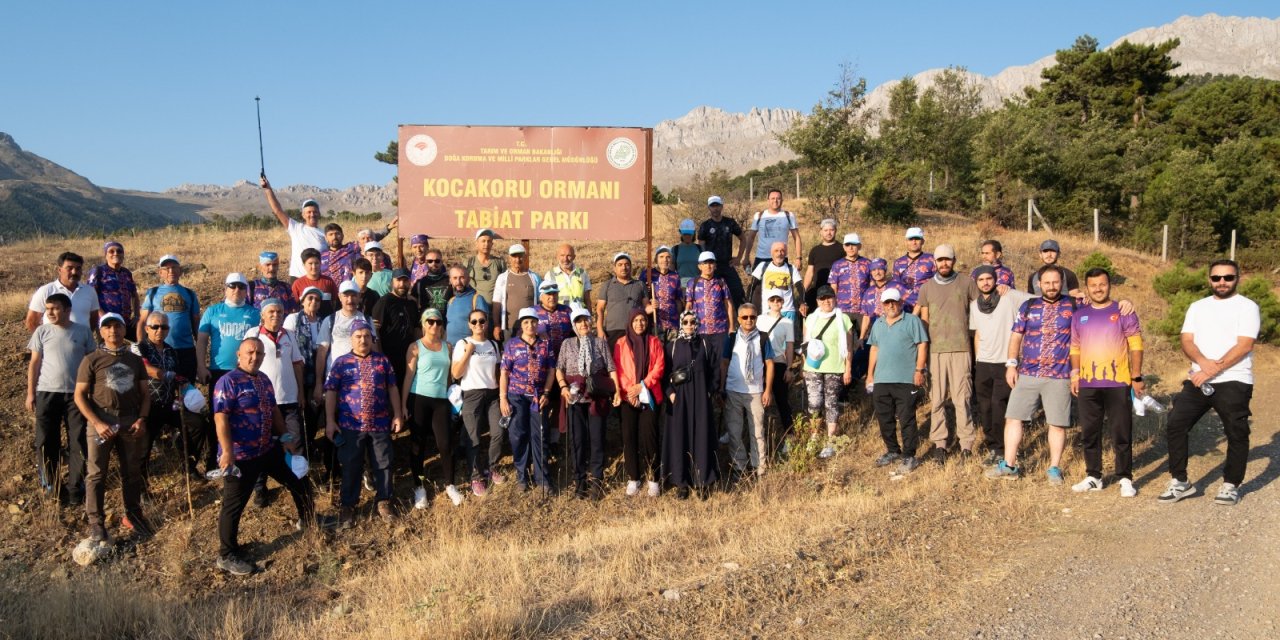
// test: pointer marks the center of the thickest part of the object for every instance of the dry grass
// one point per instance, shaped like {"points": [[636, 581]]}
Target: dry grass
{"points": [[839, 551]]}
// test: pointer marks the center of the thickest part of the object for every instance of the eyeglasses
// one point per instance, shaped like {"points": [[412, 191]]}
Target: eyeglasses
{"points": [[1230, 277], [689, 322], [158, 327], [478, 322], [746, 317]]}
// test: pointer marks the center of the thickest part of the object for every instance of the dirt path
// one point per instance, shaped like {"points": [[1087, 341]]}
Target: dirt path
{"points": [[1117, 568]]}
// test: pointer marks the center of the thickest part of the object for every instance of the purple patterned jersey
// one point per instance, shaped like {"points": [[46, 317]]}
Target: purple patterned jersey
{"points": [[527, 366], [363, 385], [260, 290], [116, 290], [1046, 337], [912, 273], [707, 299], [554, 326], [249, 401], [668, 296], [850, 279], [336, 263]]}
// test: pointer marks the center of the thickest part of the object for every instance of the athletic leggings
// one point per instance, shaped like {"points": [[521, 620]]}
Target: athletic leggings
{"points": [[639, 442], [431, 415]]}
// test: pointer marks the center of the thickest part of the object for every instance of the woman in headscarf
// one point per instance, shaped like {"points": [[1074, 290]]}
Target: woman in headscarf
{"points": [[589, 385], [638, 356], [689, 443]]}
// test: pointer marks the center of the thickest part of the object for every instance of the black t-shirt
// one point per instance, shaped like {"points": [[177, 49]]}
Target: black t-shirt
{"points": [[368, 300], [821, 257], [717, 237], [397, 320], [1033, 281], [432, 292]]}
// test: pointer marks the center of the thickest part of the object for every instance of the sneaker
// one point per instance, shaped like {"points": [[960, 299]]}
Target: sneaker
{"points": [[454, 495], [126, 523], [260, 498], [235, 565], [346, 517], [1089, 483], [580, 490], [1177, 490], [908, 464], [318, 522], [1127, 490], [724, 439], [1002, 471], [1228, 495], [478, 489], [682, 493], [654, 489], [139, 525], [497, 478], [98, 533], [420, 500], [1055, 476], [368, 482], [887, 459], [385, 511], [826, 452], [633, 488], [938, 456], [992, 458]]}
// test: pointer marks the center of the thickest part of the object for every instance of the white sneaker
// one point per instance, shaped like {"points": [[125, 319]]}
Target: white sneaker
{"points": [[1127, 490], [633, 488], [454, 494], [826, 452], [1089, 483], [420, 498], [654, 489], [1228, 495], [724, 439]]}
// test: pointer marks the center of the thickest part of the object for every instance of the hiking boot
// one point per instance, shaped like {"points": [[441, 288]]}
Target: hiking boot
{"points": [[1054, 475], [385, 511], [455, 496], [1002, 471], [139, 525], [235, 565], [966, 456], [938, 456], [682, 493], [1228, 495], [888, 459], [260, 498], [1177, 490], [420, 500], [1089, 483], [98, 533], [580, 490], [346, 517], [908, 464], [1127, 490], [478, 489]]}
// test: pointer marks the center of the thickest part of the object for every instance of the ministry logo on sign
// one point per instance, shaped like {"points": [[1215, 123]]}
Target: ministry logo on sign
{"points": [[421, 150], [621, 153]]}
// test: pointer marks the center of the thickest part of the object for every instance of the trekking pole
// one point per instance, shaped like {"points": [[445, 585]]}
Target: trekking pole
{"points": [[186, 459]]}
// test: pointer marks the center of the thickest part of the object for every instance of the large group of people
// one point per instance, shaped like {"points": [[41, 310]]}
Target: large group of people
{"points": [[479, 354]]}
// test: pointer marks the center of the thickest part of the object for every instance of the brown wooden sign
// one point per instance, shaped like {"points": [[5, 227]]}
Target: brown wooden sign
{"points": [[543, 183]]}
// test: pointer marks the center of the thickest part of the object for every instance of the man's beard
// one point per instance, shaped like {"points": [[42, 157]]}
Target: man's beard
{"points": [[1230, 292]]}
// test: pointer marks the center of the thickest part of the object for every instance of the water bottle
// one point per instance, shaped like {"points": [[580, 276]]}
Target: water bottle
{"points": [[504, 422], [113, 430], [1206, 389], [1151, 403], [870, 388], [232, 471]]}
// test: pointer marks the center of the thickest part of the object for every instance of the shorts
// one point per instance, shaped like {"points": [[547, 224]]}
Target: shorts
{"points": [[1032, 392]]}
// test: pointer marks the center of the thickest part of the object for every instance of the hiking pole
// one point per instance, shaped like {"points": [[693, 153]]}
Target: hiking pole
{"points": [[262, 165], [186, 460]]}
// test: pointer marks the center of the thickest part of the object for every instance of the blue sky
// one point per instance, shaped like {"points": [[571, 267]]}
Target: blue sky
{"points": [[150, 95]]}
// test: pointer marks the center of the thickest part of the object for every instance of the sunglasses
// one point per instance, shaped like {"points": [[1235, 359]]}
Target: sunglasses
{"points": [[1227, 278], [236, 285], [689, 322], [158, 327], [747, 317], [433, 262], [479, 322], [432, 321]]}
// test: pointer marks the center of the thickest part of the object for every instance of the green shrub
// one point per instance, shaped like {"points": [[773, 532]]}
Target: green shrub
{"points": [[1096, 260], [1258, 289], [882, 207], [1181, 278]]}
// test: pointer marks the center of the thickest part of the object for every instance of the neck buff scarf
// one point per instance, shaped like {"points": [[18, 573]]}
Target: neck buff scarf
{"points": [[752, 342]]}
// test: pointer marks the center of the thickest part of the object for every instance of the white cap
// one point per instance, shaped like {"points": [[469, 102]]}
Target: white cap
{"points": [[528, 312], [714, 200], [827, 222], [914, 232], [107, 317], [852, 238], [706, 256], [516, 249], [166, 258], [890, 294], [348, 286], [688, 227], [484, 232], [579, 313], [373, 245], [660, 250], [235, 277], [620, 255], [310, 290]]}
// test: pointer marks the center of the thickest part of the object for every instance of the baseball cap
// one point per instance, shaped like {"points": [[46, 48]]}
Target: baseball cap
{"points": [[310, 290], [1050, 245], [549, 286], [825, 291], [687, 227], [944, 251], [310, 203], [852, 238], [579, 313], [879, 263], [235, 277], [484, 232], [419, 238], [528, 312], [516, 249], [399, 273], [267, 257], [620, 255], [890, 294], [714, 200], [168, 257], [661, 250], [348, 286], [108, 317], [374, 244], [706, 256], [914, 232], [778, 294], [827, 222]]}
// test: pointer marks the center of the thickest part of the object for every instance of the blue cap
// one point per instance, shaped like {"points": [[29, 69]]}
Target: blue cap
{"points": [[267, 256]]}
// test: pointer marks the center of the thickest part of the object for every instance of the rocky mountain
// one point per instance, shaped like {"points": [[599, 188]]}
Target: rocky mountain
{"points": [[708, 138], [39, 196], [244, 197]]}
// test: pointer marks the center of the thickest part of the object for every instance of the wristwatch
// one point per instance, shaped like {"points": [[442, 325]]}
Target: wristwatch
{"points": [[1011, 362], [1136, 378], [925, 370]]}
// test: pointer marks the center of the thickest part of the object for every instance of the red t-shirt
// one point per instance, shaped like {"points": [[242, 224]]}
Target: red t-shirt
{"points": [[325, 284]]}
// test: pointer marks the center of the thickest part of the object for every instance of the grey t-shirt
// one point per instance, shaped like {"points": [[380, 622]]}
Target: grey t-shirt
{"points": [[61, 350], [619, 299], [995, 328], [948, 309]]}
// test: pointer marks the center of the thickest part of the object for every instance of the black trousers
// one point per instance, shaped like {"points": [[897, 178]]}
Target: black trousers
{"points": [[782, 398], [992, 391], [1231, 401], [1113, 404], [52, 408], [203, 444], [429, 417], [895, 404], [292, 424], [481, 412], [729, 273], [236, 492], [586, 433], [639, 442], [162, 415]]}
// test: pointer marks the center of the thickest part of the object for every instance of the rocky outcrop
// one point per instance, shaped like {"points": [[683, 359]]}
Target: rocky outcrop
{"points": [[707, 139]]}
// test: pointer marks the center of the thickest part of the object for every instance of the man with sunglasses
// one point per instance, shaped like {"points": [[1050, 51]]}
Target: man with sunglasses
{"points": [[1217, 336], [747, 383], [221, 329], [163, 381], [117, 292], [282, 364], [431, 286], [395, 319], [463, 299], [180, 306]]}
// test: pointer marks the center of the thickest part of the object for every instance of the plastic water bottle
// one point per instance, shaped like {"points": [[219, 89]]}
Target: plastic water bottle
{"points": [[1152, 404], [1206, 389], [504, 422], [870, 388], [232, 471], [113, 429]]}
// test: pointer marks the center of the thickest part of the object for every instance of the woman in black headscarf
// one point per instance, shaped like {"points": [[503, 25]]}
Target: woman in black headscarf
{"points": [[638, 358], [689, 443]]}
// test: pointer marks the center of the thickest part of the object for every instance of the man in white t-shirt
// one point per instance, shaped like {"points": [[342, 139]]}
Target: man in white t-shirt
{"points": [[991, 319], [333, 339], [767, 227], [302, 235], [1217, 336], [780, 277], [84, 300]]}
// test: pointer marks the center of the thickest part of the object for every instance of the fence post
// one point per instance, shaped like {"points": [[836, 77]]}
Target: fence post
{"points": [[1029, 205], [797, 185], [984, 199], [1233, 244], [1164, 244], [753, 189], [930, 182], [1095, 225]]}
